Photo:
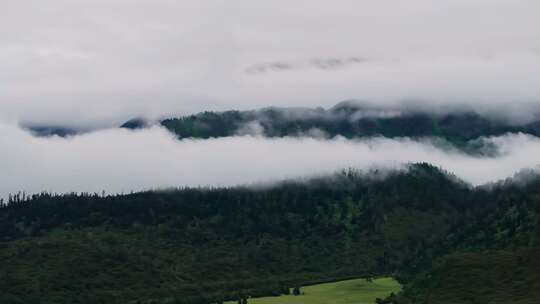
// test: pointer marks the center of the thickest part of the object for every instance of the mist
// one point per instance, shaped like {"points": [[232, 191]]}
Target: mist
{"points": [[120, 161], [99, 63]]}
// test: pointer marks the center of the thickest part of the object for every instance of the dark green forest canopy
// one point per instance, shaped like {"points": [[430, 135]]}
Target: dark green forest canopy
{"points": [[464, 129], [500, 276], [202, 245], [347, 120]]}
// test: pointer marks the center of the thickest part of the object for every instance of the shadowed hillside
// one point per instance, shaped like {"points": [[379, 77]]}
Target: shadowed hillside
{"points": [[350, 120], [510, 276], [204, 245]]}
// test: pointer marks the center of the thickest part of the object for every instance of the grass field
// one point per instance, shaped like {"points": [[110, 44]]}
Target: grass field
{"points": [[357, 291]]}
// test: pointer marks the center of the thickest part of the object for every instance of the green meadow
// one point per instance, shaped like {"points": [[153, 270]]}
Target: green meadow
{"points": [[357, 291]]}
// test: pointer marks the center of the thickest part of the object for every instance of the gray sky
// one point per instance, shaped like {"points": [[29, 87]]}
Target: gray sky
{"points": [[101, 62]]}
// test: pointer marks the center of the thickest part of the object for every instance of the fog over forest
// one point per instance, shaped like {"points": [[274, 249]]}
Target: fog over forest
{"points": [[119, 160]]}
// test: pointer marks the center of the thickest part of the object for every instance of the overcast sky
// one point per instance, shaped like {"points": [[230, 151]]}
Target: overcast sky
{"points": [[101, 62]]}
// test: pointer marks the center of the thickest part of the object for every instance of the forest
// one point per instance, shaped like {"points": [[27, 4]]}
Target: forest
{"points": [[210, 245], [460, 129], [463, 129]]}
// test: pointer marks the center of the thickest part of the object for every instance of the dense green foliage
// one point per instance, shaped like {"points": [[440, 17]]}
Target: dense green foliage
{"points": [[210, 245], [509, 276], [462, 129]]}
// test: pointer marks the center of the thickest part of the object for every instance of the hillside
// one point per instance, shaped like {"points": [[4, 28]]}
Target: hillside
{"points": [[350, 120], [463, 129], [204, 245], [504, 276]]}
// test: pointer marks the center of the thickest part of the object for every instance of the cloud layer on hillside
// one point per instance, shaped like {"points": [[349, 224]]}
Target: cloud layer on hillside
{"points": [[102, 62], [121, 160]]}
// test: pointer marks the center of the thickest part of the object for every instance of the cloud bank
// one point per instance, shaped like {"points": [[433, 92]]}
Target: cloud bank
{"points": [[121, 160], [102, 62]]}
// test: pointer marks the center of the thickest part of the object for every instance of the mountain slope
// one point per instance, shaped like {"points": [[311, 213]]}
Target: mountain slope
{"points": [[348, 120], [204, 245], [462, 129], [504, 276]]}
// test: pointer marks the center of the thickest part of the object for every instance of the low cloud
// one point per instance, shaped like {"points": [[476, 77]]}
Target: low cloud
{"points": [[323, 63], [120, 160]]}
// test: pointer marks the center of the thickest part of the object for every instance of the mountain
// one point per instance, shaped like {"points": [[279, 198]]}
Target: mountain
{"points": [[199, 245], [46, 131], [135, 123], [345, 120], [462, 129]]}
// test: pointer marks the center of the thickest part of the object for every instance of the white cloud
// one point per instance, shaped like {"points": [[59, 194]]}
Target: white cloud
{"points": [[102, 61], [121, 160]]}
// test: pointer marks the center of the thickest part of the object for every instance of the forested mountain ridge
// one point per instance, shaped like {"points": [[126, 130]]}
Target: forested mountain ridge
{"points": [[44, 131], [348, 120], [208, 245], [462, 128]]}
